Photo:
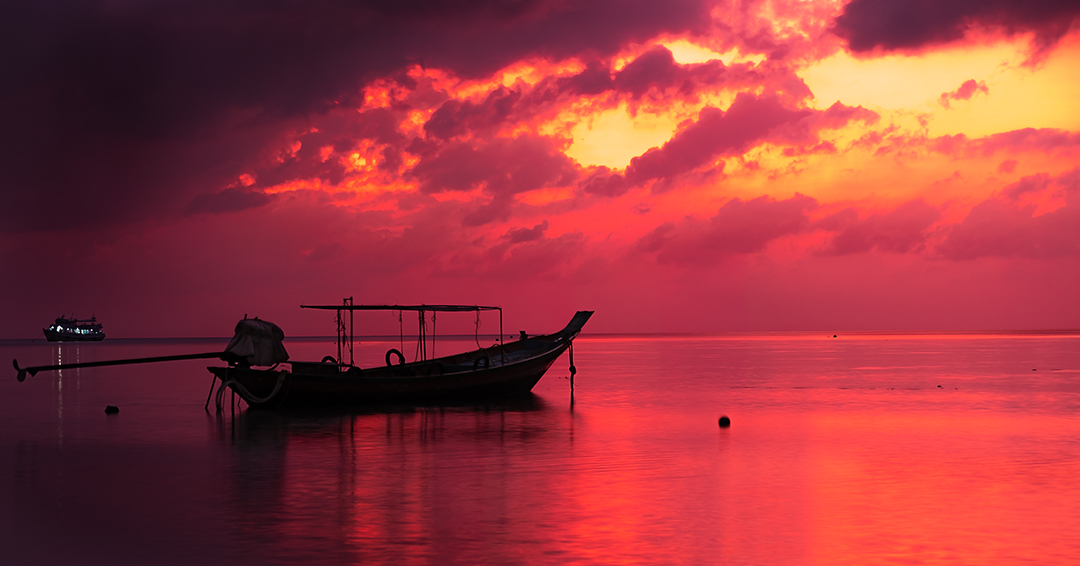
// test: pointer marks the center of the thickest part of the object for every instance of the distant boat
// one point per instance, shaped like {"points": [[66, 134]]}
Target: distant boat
{"points": [[513, 367], [72, 330]]}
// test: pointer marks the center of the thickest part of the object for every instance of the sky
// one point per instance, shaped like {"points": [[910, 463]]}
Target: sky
{"points": [[677, 166]]}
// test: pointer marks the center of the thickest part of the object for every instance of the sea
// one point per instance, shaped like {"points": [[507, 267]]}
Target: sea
{"points": [[843, 448]]}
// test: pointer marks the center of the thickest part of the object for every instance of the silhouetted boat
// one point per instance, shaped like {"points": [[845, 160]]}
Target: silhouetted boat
{"points": [[504, 368], [71, 330]]}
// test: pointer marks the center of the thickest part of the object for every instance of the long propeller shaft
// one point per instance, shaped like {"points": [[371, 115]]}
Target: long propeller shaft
{"points": [[35, 369]]}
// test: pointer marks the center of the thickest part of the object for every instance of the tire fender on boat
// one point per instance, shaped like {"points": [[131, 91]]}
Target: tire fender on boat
{"points": [[329, 360], [485, 358], [395, 352]]}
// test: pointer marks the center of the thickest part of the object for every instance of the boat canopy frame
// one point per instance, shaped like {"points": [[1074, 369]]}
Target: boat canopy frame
{"points": [[346, 337]]}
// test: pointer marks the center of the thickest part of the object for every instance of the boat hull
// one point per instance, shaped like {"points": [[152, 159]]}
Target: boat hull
{"points": [[374, 386]]}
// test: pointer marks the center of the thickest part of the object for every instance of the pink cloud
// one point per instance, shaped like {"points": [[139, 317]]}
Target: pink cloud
{"points": [[1006, 227], [901, 230], [519, 235], [657, 69], [715, 133], [964, 92], [1025, 139], [501, 166], [739, 227]]}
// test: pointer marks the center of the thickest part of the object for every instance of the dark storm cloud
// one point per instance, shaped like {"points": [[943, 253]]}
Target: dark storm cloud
{"points": [[112, 110], [904, 24]]}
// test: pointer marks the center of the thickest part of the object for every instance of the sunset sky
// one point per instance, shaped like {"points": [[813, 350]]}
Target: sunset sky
{"points": [[677, 166]]}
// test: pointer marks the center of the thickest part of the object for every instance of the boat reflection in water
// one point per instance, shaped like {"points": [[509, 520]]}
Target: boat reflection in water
{"points": [[391, 482]]}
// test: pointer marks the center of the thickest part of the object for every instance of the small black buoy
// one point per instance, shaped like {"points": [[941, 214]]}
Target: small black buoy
{"points": [[111, 409], [725, 422], [939, 387], [834, 336]]}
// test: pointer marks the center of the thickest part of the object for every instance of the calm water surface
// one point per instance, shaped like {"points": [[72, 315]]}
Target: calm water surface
{"points": [[863, 449]]}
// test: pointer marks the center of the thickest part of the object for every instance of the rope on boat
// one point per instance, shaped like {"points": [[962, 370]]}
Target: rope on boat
{"points": [[245, 394], [476, 332]]}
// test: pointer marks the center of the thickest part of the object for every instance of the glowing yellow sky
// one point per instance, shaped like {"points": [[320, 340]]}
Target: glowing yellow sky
{"points": [[1045, 96]]}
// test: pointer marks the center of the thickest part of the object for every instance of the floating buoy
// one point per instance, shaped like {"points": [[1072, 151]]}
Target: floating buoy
{"points": [[725, 421], [111, 409]]}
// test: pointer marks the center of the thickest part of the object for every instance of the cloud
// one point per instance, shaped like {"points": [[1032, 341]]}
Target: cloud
{"points": [[523, 255], [500, 166], [1008, 226], [904, 25], [964, 92], [901, 230], [457, 117], [749, 120], [1024, 139], [227, 200], [657, 69], [116, 111], [319, 151], [519, 235], [715, 133], [739, 227]]}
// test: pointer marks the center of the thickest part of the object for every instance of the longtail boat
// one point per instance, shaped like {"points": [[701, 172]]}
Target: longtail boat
{"points": [[505, 368]]}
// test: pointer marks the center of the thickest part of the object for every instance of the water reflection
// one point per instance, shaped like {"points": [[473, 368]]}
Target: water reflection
{"points": [[348, 482], [840, 452]]}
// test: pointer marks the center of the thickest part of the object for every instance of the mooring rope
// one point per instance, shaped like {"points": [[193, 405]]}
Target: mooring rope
{"points": [[245, 394], [476, 332]]}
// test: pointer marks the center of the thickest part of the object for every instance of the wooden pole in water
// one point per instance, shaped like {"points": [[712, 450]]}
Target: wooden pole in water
{"points": [[573, 370]]}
